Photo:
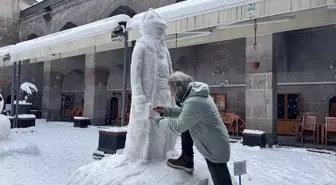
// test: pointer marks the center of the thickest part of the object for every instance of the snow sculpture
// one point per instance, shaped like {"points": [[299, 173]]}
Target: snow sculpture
{"points": [[150, 68], [142, 161], [5, 124]]}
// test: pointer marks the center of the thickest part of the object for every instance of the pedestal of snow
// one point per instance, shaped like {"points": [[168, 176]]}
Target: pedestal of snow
{"points": [[116, 169], [5, 127]]}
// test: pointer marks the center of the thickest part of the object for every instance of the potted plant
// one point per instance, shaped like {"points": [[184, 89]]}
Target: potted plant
{"points": [[27, 93]]}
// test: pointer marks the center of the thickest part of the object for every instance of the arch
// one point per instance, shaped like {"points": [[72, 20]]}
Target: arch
{"points": [[112, 110], [32, 36], [73, 16], [123, 10], [73, 81], [129, 7], [68, 25], [33, 28]]}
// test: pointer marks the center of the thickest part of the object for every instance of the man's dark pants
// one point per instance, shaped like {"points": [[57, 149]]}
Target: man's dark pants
{"points": [[219, 171]]}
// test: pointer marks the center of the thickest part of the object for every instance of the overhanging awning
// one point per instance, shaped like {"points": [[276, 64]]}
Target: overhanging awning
{"points": [[227, 20], [89, 38]]}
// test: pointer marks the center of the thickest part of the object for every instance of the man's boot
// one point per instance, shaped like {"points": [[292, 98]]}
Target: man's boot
{"points": [[183, 163]]}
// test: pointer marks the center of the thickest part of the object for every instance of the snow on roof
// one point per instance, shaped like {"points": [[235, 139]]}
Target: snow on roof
{"points": [[95, 28], [187, 8], [5, 50]]}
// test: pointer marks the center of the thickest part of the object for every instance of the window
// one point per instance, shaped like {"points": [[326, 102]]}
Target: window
{"points": [[220, 100], [289, 106]]}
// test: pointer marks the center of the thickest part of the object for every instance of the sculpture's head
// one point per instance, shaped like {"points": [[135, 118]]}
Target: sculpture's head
{"points": [[153, 24]]}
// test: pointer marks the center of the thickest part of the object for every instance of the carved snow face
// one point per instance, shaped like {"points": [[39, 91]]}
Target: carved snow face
{"points": [[1, 103]]}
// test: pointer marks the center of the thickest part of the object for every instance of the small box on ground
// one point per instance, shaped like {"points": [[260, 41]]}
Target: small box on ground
{"points": [[26, 120], [254, 138], [112, 139], [81, 122]]}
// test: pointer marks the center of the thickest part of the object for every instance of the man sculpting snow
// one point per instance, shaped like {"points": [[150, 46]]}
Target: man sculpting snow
{"points": [[150, 68]]}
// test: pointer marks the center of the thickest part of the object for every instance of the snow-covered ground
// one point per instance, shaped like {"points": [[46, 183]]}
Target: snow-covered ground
{"points": [[47, 156], [50, 154]]}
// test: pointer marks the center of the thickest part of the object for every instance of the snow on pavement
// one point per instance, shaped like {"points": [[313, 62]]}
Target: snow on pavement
{"points": [[61, 150], [53, 151]]}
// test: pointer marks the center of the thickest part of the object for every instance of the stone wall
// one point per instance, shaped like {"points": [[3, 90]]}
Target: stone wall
{"points": [[311, 53], [80, 12], [9, 29], [203, 60]]}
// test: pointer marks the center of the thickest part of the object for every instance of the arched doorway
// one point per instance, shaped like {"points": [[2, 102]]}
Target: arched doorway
{"points": [[332, 107], [112, 111]]}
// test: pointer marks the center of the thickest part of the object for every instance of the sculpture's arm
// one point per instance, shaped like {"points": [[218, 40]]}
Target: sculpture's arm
{"points": [[138, 96], [189, 116], [170, 64]]}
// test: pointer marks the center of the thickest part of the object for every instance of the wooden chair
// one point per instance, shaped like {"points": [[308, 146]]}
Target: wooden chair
{"points": [[308, 124], [241, 124], [330, 127], [230, 122]]}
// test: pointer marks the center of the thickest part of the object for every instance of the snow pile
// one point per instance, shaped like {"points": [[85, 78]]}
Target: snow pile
{"points": [[116, 169], [29, 88], [248, 131], [27, 116], [23, 130], [81, 118], [186, 8], [23, 103], [116, 129], [5, 127], [26, 149]]}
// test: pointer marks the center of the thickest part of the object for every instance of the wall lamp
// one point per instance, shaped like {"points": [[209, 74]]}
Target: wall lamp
{"points": [[47, 14]]}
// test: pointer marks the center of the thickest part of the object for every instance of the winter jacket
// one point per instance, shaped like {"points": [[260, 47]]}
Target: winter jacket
{"points": [[199, 115]]}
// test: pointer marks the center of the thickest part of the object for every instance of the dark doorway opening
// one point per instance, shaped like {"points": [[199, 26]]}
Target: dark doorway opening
{"points": [[112, 111], [332, 107]]}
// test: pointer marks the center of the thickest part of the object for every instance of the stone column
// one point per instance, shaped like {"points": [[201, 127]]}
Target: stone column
{"points": [[95, 91], [261, 87], [52, 93]]}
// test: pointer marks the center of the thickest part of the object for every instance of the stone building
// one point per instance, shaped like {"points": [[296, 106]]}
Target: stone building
{"points": [[303, 62]]}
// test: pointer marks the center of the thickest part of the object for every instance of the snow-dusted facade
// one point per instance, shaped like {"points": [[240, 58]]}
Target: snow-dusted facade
{"points": [[93, 81]]}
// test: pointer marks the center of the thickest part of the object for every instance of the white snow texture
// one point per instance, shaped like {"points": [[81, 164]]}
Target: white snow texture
{"points": [[150, 68], [29, 88], [116, 129], [2, 103], [248, 131], [5, 127]]}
